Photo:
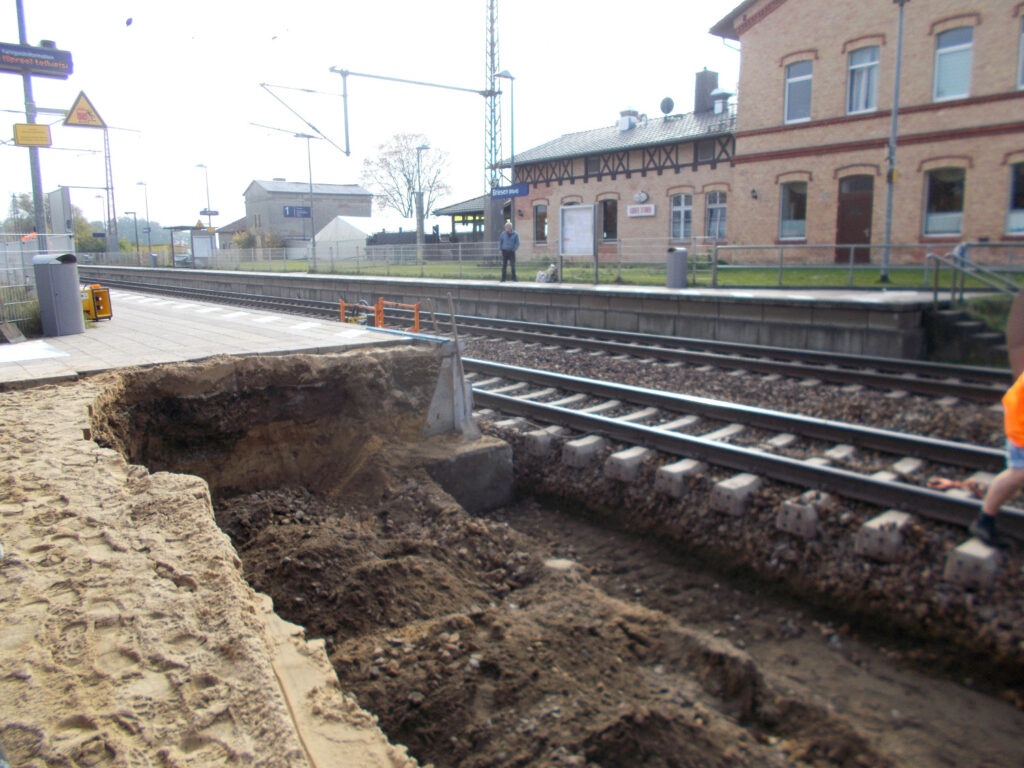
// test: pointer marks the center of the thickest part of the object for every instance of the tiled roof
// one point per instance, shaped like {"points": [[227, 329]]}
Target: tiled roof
{"points": [[476, 205], [302, 188], [651, 132]]}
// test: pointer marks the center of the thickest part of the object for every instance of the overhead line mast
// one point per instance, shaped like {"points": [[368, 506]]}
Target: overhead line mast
{"points": [[492, 105]]}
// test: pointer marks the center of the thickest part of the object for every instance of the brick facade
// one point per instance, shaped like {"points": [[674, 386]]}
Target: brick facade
{"points": [[979, 135]]}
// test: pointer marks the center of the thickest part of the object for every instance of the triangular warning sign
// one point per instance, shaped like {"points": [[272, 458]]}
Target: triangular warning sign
{"points": [[84, 114], [199, 224]]}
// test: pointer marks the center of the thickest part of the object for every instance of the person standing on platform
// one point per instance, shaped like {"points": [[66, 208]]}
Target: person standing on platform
{"points": [[508, 243]]}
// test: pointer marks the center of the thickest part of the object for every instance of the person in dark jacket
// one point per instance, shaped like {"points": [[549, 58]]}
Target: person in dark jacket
{"points": [[508, 243]]}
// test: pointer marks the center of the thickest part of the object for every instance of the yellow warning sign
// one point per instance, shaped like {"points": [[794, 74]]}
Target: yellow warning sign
{"points": [[32, 135], [84, 114]]}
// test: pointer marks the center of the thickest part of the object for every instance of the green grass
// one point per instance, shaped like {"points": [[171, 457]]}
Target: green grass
{"points": [[815, 276]]}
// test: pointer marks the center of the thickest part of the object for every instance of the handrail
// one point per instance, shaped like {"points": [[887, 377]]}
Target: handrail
{"points": [[961, 266]]}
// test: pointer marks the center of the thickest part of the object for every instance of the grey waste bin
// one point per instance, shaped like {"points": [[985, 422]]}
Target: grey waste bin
{"points": [[675, 276], [60, 303]]}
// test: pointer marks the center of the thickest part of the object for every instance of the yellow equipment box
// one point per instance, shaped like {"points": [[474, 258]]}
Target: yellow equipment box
{"points": [[96, 302]]}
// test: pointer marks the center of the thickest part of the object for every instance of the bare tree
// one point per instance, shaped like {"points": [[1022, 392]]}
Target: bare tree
{"points": [[392, 175]]}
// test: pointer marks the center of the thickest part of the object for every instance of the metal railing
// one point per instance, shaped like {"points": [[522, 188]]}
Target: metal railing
{"points": [[960, 268], [637, 261]]}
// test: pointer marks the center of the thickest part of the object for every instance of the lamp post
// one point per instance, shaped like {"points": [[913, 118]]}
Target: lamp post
{"points": [[209, 212], [890, 176], [419, 208], [312, 219], [149, 225], [511, 128], [138, 256]]}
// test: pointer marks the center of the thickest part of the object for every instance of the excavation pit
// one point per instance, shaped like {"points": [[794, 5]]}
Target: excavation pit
{"points": [[470, 644]]}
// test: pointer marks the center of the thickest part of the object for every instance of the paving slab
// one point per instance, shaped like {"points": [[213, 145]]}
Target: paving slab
{"points": [[147, 332]]}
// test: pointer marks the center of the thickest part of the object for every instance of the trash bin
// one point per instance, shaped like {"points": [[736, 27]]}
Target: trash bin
{"points": [[60, 304], [675, 276]]}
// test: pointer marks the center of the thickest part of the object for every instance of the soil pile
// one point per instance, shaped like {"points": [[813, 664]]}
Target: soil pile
{"points": [[474, 649]]}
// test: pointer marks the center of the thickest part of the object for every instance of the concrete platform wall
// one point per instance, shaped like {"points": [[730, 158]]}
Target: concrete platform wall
{"points": [[783, 319]]}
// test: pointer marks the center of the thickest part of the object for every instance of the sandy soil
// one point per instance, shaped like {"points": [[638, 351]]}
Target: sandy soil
{"points": [[128, 636]]}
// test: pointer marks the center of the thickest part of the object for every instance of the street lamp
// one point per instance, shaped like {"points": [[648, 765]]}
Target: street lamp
{"points": [[208, 212], [511, 128], [149, 225], [419, 208], [138, 256], [890, 176]]}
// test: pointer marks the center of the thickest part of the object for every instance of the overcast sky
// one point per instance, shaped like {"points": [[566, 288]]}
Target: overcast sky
{"points": [[180, 85]]}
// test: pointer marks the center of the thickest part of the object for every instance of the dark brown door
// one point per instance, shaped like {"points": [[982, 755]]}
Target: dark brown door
{"points": [[853, 221]]}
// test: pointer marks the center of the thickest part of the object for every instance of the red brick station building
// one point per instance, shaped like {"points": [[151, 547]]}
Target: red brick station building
{"points": [[800, 156]]}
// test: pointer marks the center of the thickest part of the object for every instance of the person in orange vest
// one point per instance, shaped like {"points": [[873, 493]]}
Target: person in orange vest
{"points": [[1011, 480]]}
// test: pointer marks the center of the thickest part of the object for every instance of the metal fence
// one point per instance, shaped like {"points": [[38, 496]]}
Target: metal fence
{"points": [[634, 261]]}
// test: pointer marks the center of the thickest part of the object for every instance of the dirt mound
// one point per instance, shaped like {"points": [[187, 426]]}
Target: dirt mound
{"points": [[476, 649]]}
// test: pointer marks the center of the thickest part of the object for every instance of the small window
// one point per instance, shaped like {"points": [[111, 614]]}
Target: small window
{"points": [[953, 64], [593, 163], [540, 223], [793, 216], [705, 151], [944, 209], [680, 226], [1020, 58], [1015, 216], [798, 91], [863, 80], [715, 215], [609, 219]]}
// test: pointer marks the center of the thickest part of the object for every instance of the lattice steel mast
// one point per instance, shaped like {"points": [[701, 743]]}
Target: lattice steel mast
{"points": [[492, 104]]}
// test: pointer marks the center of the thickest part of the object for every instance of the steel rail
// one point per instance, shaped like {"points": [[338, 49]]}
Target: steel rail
{"points": [[898, 443], [934, 387], [934, 505], [997, 376]]}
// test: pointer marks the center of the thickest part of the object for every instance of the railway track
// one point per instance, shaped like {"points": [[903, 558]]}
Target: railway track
{"points": [[976, 383], [786, 448], [591, 406]]}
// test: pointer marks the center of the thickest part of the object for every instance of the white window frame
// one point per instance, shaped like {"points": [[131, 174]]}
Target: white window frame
{"points": [[943, 223], [862, 82], [545, 207], [792, 228], [1020, 58], [945, 53], [791, 82], [1015, 216], [681, 205], [716, 204]]}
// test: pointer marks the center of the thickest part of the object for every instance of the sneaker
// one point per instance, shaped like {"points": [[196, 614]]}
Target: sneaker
{"points": [[985, 529]]}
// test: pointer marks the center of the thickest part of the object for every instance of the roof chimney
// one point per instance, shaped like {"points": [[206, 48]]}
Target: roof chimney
{"points": [[627, 119], [707, 81]]}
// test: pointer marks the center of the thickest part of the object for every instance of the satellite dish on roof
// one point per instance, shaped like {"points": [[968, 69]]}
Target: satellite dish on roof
{"points": [[666, 105]]}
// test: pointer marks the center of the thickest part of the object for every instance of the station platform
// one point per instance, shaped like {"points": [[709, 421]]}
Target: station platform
{"points": [[884, 323], [148, 330]]}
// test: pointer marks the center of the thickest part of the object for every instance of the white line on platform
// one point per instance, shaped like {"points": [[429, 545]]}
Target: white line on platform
{"points": [[267, 319], [304, 326], [28, 350], [208, 310], [231, 315]]}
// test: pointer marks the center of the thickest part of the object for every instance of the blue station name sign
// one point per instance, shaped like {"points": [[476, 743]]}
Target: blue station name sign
{"points": [[515, 190], [32, 60], [296, 212]]}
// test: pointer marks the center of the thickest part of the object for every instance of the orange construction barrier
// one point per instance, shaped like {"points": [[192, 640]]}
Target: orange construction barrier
{"points": [[378, 312]]}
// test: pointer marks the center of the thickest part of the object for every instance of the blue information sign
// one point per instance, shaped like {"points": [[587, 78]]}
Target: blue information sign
{"points": [[30, 60], [516, 190], [296, 212]]}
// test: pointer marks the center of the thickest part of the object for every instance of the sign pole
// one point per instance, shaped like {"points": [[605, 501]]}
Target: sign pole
{"points": [[33, 152]]}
